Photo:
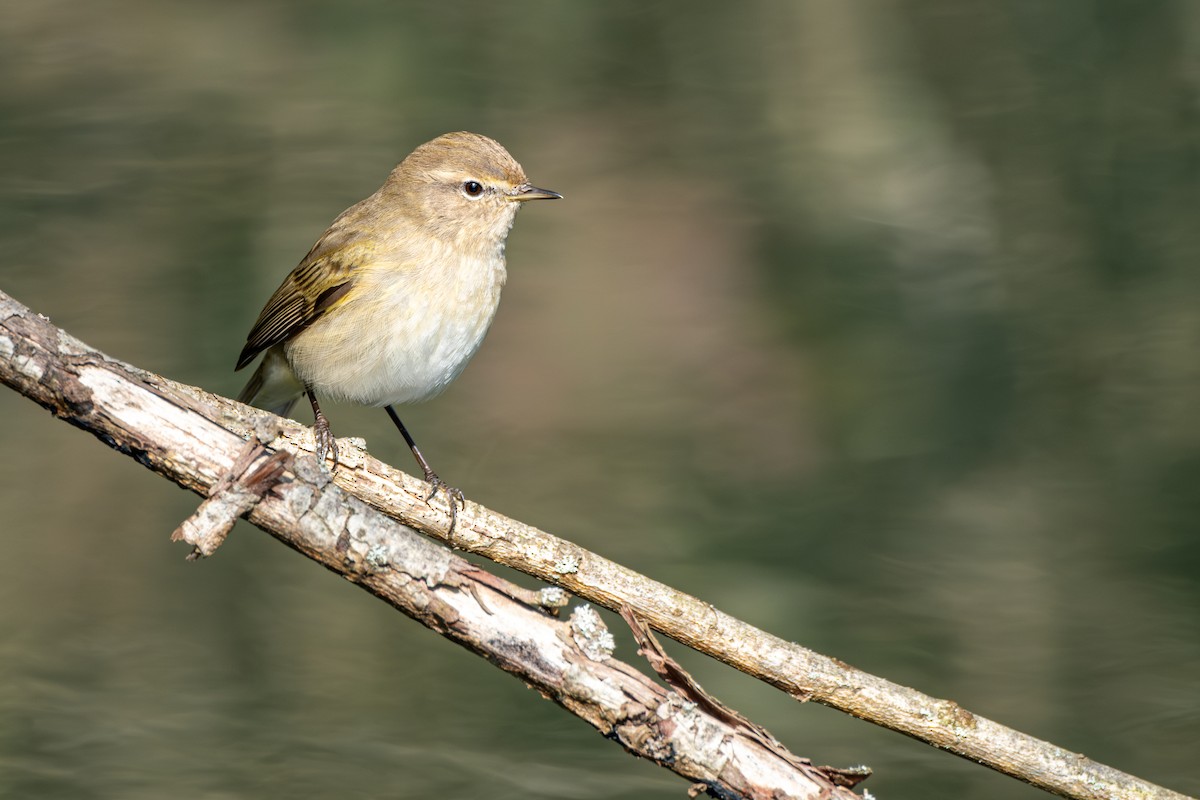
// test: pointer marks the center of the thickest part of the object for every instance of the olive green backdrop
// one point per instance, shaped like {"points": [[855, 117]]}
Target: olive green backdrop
{"points": [[874, 323]]}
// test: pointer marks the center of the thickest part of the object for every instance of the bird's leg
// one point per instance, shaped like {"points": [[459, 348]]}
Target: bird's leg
{"points": [[322, 435], [454, 497]]}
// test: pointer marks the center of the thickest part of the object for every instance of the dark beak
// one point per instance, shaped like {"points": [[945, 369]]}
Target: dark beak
{"points": [[528, 192]]}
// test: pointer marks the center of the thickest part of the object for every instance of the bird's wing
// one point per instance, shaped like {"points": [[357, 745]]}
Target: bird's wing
{"points": [[316, 284]]}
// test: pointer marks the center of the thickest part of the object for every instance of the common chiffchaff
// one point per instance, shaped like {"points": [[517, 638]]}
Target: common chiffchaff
{"points": [[394, 299]]}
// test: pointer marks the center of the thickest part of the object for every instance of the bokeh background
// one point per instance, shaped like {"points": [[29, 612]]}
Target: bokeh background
{"points": [[873, 323]]}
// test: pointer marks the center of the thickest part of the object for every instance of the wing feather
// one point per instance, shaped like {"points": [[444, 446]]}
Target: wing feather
{"points": [[316, 285]]}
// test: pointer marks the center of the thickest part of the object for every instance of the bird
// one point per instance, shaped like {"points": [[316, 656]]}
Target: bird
{"points": [[396, 296]]}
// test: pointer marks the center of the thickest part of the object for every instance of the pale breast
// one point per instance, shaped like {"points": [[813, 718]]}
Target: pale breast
{"points": [[403, 335]]}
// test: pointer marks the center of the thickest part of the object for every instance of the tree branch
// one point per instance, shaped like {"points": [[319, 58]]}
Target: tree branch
{"points": [[290, 495], [65, 376]]}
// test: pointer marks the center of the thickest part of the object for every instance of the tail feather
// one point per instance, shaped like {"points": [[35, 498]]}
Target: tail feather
{"points": [[273, 386]]}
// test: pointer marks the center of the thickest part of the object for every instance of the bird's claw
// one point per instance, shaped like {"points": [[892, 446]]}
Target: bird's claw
{"points": [[325, 443], [454, 497]]}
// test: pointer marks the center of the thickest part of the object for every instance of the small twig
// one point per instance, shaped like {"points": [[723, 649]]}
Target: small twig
{"points": [[231, 498], [686, 686], [540, 599]]}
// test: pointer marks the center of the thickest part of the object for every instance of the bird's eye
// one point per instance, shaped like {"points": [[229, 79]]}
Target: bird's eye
{"points": [[473, 188]]}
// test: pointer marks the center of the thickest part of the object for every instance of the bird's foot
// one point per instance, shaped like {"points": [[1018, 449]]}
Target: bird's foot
{"points": [[322, 435], [325, 443], [454, 498]]}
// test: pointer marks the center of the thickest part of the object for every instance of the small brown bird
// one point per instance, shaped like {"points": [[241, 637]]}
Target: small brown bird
{"points": [[394, 299]]}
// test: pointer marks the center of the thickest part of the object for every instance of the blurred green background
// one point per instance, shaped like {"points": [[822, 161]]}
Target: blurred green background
{"points": [[873, 323]]}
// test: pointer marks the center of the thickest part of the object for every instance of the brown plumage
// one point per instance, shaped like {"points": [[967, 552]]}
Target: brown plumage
{"points": [[394, 299]]}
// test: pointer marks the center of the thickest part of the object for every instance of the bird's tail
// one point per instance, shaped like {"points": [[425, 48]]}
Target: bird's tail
{"points": [[273, 386]]}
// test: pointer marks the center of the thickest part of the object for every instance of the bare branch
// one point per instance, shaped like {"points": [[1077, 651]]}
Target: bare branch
{"points": [[291, 497], [795, 670]]}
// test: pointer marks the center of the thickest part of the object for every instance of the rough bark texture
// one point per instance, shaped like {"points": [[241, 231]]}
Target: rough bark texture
{"points": [[197, 437], [291, 497]]}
